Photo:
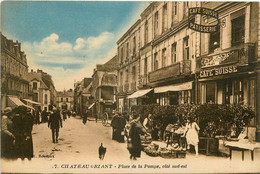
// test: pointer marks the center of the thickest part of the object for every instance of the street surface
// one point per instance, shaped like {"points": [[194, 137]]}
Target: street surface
{"points": [[77, 151]]}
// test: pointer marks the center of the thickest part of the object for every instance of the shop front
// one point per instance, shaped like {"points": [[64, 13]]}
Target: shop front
{"points": [[228, 77], [175, 94]]}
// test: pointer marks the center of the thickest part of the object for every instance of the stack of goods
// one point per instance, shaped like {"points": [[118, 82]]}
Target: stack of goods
{"points": [[146, 140], [165, 152], [152, 150]]}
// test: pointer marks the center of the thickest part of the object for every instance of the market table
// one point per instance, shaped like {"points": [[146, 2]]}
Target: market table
{"points": [[240, 146]]}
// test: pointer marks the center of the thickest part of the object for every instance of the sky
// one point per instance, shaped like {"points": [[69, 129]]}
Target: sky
{"points": [[68, 38]]}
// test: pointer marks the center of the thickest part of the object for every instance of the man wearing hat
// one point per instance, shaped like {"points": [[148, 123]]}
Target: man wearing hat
{"points": [[55, 122], [7, 138]]}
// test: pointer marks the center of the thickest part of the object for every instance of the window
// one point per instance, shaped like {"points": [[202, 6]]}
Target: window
{"points": [[186, 48], [122, 54], [146, 32], [164, 57], [67, 99], [156, 24], [133, 74], [164, 18], [155, 61], [45, 99], [238, 30], [35, 97], [145, 70], [61, 99], [34, 85], [121, 78], [145, 66], [214, 40], [174, 11], [134, 45], [127, 50], [185, 9], [210, 92], [173, 53], [126, 73]]}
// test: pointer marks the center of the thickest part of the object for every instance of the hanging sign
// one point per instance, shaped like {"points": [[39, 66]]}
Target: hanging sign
{"points": [[203, 12]]}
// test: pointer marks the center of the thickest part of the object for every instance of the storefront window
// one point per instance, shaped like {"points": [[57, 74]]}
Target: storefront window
{"points": [[210, 93]]}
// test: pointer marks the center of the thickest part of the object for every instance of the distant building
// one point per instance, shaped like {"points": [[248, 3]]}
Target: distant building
{"points": [[104, 84], [42, 88], [65, 99], [14, 69], [79, 98]]}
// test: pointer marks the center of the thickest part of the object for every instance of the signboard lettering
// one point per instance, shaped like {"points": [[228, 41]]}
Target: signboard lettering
{"points": [[218, 71], [202, 11]]}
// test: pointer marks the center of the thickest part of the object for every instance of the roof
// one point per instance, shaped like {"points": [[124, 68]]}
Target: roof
{"points": [[109, 66], [37, 76]]}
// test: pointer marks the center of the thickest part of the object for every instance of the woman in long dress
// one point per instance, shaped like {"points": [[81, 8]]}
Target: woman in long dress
{"points": [[192, 134], [134, 140]]}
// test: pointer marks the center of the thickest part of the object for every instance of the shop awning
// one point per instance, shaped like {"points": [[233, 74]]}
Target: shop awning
{"points": [[33, 102], [176, 87], [17, 102], [139, 93], [91, 105]]}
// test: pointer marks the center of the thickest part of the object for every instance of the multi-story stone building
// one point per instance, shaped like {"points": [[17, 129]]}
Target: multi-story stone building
{"points": [[129, 70], [65, 99], [181, 65], [42, 88], [228, 66], [167, 51], [80, 103], [103, 89], [14, 69]]}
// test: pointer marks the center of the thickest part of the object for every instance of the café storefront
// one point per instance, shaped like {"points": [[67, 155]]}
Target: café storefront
{"points": [[227, 77]]}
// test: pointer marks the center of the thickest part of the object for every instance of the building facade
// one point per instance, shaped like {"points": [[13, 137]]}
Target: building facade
{"points": [[227, 69], [80, 97], [65, 99], [103, 89], [14, 71], [129, 69], [178, 65], [43, 90]]}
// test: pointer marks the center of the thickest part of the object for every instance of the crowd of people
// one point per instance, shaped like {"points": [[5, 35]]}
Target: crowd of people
{"points": [[131, 128], [16, 129], [16, 134]]}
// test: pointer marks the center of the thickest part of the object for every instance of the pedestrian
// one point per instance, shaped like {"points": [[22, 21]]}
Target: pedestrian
{"points": [[69, 113], [44, 116], [37, 116], [114, 124], [64, 115], [55, 123], [121, 126], [96, 116], [134, 141], [148, 123], [191, 133], [22, 126], [85, 117], [7, 136]]}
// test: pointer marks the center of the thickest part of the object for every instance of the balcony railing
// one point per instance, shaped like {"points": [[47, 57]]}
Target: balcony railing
{"points": [[177, 69], [241, 55]]}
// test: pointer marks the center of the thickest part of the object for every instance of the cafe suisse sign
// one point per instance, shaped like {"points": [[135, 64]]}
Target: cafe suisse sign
{"points": [[218, 71], [203, 12]]}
